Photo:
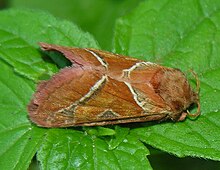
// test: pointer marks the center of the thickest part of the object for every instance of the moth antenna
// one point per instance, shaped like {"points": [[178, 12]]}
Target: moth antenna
{"points": [[195, 75], [195, 115]]}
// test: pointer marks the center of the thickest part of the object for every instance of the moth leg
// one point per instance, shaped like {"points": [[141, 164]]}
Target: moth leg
{"points": [[183, 116]]}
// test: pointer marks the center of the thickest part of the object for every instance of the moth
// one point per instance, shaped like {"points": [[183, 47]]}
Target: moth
{"points": [[102, 88]]}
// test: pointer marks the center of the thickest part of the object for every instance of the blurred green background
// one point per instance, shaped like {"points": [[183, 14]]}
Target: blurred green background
{"points": [[98, 18], [94, 16]]}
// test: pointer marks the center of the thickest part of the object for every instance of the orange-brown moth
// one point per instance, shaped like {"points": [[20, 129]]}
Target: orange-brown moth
{"points": [[102, 88]]}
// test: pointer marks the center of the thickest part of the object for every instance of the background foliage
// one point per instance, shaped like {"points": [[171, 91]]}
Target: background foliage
{"points": [[183, 34], [95, 16]]}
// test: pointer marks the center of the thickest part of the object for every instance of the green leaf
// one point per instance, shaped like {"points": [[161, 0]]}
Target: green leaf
{"points": [[19, 139], [120, 134], [99, 131], [183, 34], [68, 149]]}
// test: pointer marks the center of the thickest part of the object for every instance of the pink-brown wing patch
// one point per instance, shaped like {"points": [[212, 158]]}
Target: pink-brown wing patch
{"points": [[51, 104], [77, 56]]}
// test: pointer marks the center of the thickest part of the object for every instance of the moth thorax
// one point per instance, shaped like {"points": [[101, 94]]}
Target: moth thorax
{"points": [[173, 87]]}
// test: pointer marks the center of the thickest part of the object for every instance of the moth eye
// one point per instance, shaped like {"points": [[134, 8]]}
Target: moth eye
{"points": [[177, 105]]}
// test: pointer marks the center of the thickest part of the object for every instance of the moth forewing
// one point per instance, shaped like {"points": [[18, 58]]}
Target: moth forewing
{"points": [[102, 88]]}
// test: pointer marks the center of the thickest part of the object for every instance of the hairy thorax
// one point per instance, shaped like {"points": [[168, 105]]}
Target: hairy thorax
{"points": [[175, 90]]}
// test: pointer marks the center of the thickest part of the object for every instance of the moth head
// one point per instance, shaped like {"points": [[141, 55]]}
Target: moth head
{"points": [[173, 86]]}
